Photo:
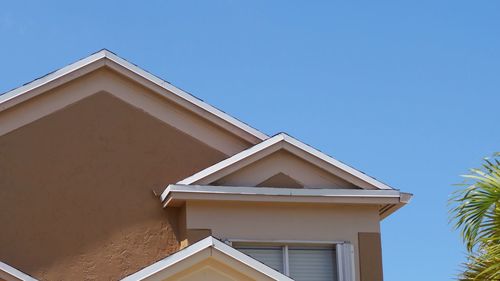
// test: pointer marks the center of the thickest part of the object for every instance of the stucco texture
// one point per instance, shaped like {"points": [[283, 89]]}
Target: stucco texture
{"points": [[289, 222], [76, 190]]}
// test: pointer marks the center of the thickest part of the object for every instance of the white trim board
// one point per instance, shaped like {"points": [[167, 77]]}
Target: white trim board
{"points": [[149, 272], [292, 145], [105, 58], [327, 194], [9, 273], [388, 201]]}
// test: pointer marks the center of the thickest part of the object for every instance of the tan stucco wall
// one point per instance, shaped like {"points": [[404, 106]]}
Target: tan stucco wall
{"points": [[76, 190], [286, 163], [271, 222]]}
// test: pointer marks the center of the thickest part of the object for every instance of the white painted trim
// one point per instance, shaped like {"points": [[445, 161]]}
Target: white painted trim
{"points": [[109, 59], [335, 162], [278, 242], [10, 273], [283, 141], [345, 262], [177, 195], [231, 160], [286, 260], [199, 246], [278, 191], [13, 97]]}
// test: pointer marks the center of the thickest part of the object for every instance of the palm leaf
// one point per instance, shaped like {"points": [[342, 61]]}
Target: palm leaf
{"points": [[476, 213]]}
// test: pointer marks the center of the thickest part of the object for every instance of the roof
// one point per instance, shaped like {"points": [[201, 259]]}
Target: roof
{"points": [[290, 144], [156, 270], [105, 58]]}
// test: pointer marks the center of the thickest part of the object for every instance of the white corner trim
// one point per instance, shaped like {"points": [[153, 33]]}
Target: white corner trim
{"points": [[199, 246], [285, 141], [107, 58], [7, 272]]}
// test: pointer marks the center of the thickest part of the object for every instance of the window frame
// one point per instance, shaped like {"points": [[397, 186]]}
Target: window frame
{"points": [[344, 252]]}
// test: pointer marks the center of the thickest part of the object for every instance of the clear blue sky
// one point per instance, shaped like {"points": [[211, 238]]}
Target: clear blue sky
{"points": [[406, 91]]}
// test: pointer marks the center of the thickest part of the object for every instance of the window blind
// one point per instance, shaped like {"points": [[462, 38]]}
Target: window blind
{"points": [[312, 264], [270, 256]]}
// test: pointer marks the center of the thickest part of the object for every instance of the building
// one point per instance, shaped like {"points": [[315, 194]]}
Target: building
{"points": [[108, 172]]}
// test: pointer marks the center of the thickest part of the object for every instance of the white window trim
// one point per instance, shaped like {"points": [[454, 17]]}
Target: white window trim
{"points": [[286, 260], [345, 261], [344, 251]]}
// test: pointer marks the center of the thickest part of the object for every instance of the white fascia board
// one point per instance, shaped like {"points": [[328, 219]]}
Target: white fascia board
{"points": [[278, 191], [13, 97], [178, 194], [232, 160], [108, 58], [335, 162], [190, 99], [7, 272], [276, 140], [198, 247]]}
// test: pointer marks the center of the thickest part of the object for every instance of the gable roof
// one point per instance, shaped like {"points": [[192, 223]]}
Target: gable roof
{"points": [[158, 270], [292, 145], [105, 58]]}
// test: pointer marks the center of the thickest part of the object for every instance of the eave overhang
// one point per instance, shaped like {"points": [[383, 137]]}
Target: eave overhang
{"points": [[389, 201]]}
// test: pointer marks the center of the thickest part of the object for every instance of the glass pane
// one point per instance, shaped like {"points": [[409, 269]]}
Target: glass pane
{"points": [[312, 264], [270, 256]]}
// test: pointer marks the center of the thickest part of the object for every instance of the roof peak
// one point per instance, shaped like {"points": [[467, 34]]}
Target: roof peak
{"points": [[107, 58], [300, 149], [192, 250]]}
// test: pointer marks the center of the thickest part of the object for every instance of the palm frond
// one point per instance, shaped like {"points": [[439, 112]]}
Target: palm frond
{"points": [[476, 213]]}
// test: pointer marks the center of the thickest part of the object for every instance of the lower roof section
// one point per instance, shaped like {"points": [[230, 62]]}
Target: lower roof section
{"points": [[389, 200], [215, 258]]}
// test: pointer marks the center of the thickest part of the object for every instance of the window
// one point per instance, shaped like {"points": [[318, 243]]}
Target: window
{"points": [[315, 264], [300, 261], [271, 256]]}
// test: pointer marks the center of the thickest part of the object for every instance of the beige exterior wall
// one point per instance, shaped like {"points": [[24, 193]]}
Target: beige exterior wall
{"points": [[76, 187], [274, 222]]}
